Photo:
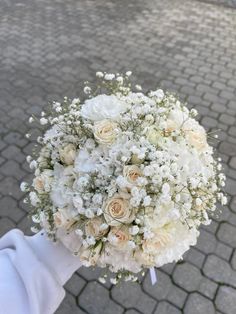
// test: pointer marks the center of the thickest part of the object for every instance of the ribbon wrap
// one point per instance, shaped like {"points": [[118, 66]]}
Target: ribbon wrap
{"points": [[153, 275]]}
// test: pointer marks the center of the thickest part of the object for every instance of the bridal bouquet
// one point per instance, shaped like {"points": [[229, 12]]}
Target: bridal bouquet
{"points": [[124, 179]]}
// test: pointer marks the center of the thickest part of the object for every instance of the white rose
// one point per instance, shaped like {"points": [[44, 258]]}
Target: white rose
{"points": [[93, 228], [67, 154], [119, 237], [153, 135], [162, 237], [146, 260], [103, 107], [171, 126], [90, 256], [42, 183], [117, 211], [105, 131], [132, 173]]}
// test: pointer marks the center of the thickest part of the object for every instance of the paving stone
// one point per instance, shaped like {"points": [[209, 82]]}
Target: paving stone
{"points": [[93, 273], [25, 224], [75, 285], [232, 130], [69, 306], [197, 304], [195, 257], [208, 287], [232, 204], [10, 186], [230, 187], [132, 311], [12, 169], [101, 302], [187, 276], [131, 296], [227, 119], [177, 296], [206, 242], [13, 152], [232, 162], [166, 308], [161, 289], [209, 122], [223, 251], [227, 233], [219, 270], [227, 148], [233, 260], [9, 209], [6, 225], [168, 268], [226, 299]]}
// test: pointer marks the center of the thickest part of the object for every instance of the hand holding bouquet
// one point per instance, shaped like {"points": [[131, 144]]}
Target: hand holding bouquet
{"points": [[124, 179]]}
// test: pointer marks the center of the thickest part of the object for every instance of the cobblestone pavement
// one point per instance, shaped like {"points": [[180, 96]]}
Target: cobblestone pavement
{"points": [[48, 48]]}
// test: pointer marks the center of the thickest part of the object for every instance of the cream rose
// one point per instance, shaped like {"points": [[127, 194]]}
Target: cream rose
{"points": [[119, 236], [67, 154], [63, 218], [105, 131], [197, 139], [42, 183], [117, 211], [132, 173], [90, 256], [93, 228]]}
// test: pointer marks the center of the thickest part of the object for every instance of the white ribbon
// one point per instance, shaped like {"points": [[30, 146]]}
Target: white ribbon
{"points": [[153, 275]]}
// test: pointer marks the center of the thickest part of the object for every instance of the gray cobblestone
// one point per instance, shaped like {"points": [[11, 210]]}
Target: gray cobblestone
{"points": [[69, 306], [226, 300], [101, 303], [131, 296], [195, 257], [227, 234], [233, 260], [75, 285], [232, 162], [227, 119], [219, 270], [177, 296], [206, 242], [187, 276], [161, 289], [208, 287], [132, 311], [223, 251], [197, 304], [166, 308]]}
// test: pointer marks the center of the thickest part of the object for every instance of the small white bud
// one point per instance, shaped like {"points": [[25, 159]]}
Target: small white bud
{"points": [[99, 74]]}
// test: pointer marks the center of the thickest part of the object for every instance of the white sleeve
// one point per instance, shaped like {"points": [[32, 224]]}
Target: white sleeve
{"points": [[33, 271]]}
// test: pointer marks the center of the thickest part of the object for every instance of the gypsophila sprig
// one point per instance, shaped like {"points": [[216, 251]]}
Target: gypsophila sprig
{"points": [[124, 179]]}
